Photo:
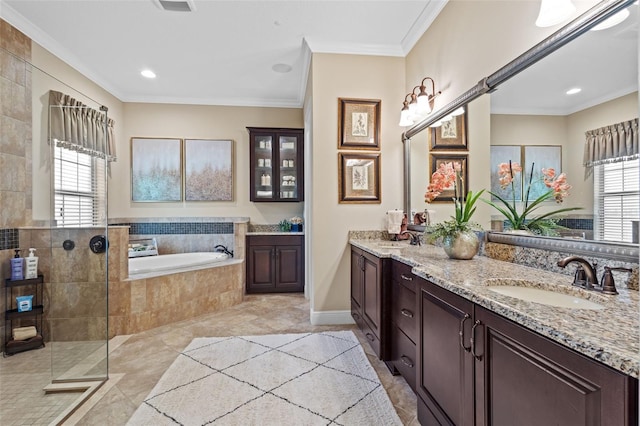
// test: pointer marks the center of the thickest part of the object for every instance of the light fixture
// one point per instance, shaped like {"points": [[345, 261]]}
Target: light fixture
{"points": [[420, 105], [405, 119], [436, 124], [573, 91], [612, 21], [426, 100], [553, 12], [148, 74], [458, 111]]}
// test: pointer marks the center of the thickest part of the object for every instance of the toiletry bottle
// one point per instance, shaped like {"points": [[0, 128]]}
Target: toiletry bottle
{"points": [[17, 267], [31, 265]]}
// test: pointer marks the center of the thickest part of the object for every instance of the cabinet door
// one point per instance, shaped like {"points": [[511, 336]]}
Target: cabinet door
{"points": [[445, 373], [289, 269], [372, 298], [523, 378], [290, 166], [264, 179], [261, 274]]}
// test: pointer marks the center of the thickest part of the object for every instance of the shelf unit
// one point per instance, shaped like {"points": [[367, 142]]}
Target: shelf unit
{"points": [[34, 316]]}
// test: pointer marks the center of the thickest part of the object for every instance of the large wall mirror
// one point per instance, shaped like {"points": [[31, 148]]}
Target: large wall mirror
{"points": [[531, 108]]}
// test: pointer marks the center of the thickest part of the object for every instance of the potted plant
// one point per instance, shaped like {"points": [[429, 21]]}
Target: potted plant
{"points": [[525, 220], [458, 236]]}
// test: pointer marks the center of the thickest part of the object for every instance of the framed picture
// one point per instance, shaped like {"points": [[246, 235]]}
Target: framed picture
{"points": [[156, 169], [359, 177], [504, 154], [208, 170], [358, 123], [451, 135], [436, 159], [536, 158]]}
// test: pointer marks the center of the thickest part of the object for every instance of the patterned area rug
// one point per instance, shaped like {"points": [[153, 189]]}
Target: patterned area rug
{"points": [[279, 379]]}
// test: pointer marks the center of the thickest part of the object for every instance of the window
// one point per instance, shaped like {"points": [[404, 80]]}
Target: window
{"points": [[617, 200], [79, 189]]}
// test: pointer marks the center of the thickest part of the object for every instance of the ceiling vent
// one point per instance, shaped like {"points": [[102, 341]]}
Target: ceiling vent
{"points": [[176, 5]]}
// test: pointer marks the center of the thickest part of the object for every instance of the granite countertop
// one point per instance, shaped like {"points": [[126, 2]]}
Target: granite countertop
{"points": [[610, 335]]}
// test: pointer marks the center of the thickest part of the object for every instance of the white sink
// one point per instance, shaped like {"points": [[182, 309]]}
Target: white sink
{"points": [[545, 297]]}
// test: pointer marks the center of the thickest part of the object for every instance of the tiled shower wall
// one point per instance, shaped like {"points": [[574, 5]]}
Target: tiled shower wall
{"points": [[15, 143]]}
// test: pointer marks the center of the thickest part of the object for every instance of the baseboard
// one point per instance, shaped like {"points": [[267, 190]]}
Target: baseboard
{"points": [[331, 317]]}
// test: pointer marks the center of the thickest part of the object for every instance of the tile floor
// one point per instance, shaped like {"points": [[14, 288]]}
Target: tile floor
{"points": [[140, 361]]}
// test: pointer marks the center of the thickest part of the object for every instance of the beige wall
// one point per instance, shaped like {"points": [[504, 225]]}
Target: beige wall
{"points": [[200, 122], [348, 76]]}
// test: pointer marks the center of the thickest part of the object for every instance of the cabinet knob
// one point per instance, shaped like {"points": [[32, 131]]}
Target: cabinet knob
{"points": [[370, 337], [461, 333], [407, 313], [406, 278]]}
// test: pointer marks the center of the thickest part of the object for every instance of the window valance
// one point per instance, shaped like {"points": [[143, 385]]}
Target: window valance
{"points": [[77, 127], [610, 144]]}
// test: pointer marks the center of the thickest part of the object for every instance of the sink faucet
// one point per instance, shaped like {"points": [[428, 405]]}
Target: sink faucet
{"points": [[585, 274], [415, 238]]}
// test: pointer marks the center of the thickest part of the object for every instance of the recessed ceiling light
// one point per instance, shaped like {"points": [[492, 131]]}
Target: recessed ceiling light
{"points": [[148, 74], [574, 91], [281, 68]]}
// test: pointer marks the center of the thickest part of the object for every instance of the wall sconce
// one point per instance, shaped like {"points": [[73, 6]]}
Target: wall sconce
{"points": [[553, 12], [419, 106]]}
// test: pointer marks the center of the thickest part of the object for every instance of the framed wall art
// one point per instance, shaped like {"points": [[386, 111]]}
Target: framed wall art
{"points": [[503, 154], [359, 177], [436, 159], [452, 134], [358, 123], [156, 169], [208, 170], [536, 158]]}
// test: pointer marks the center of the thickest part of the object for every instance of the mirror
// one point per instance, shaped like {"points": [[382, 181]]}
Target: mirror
{"points": [[531, 108]]}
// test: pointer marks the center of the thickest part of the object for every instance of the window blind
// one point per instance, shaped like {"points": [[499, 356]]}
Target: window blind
{"points": [[617, 200], [80, 190]]}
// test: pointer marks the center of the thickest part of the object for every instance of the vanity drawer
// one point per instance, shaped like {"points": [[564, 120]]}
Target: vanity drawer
{"points": [[403, 310], [401, 274], [403, 356]]}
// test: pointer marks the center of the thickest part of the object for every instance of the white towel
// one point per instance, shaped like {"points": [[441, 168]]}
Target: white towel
{"points": [[394, 221], [24, 333]]}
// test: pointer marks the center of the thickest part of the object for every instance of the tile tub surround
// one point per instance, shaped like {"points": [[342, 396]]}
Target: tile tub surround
{"points": [[608, 336], [152, 302]]}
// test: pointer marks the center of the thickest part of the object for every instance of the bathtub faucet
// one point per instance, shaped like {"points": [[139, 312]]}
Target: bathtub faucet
{"points": [[222, 249]]}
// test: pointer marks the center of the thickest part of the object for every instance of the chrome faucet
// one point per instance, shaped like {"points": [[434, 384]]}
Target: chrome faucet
{"points": [[415, 238], [585, 274]]}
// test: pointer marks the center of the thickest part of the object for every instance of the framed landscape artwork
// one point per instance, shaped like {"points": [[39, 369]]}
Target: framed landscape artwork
{"points": [[156, 169], [208, 170]]}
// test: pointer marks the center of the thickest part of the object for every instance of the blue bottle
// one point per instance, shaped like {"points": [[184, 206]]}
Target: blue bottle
{"points": [[17, 267]]}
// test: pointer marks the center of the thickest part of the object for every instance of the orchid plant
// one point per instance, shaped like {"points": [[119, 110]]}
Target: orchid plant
{"points": [[542, 224], [446, 176]]}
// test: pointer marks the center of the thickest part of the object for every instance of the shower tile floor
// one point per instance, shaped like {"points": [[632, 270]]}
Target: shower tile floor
{"points": [[139, 362], [24, 375]]}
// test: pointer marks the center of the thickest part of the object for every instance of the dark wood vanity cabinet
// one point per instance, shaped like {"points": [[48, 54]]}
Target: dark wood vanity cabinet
{"points": [[478, 368], [369, 301], [404, 322], [275, 263]]}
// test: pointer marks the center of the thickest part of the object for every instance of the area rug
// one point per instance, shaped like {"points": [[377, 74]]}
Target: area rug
{"points": [[279, 379]]}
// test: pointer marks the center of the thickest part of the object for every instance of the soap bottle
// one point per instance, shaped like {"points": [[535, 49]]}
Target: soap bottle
{"points": [[17, 267], [31, 265]]}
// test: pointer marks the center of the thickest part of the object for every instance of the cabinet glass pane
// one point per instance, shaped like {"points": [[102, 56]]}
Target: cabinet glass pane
{"points": [[264, 166], [288, 166]]}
